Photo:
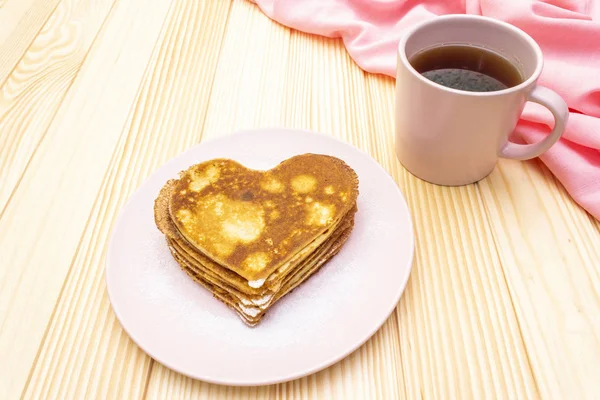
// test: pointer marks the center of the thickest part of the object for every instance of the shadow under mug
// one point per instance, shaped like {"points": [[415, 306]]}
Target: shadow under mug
{"points": [[454, 137]]}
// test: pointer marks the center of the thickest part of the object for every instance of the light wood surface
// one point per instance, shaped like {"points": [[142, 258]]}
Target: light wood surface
{"points": [[504, 297]]}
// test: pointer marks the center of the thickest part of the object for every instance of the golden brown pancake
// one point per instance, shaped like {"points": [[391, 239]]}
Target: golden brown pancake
{"points": [[166, 226], [252, 221], [274, 280], [250, 237], [261, 296], [252, 315]]}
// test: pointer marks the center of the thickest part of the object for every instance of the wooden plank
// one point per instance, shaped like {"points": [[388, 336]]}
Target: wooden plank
{"points": [[20, 23], [42, 226], [256, 85], [550, 253], [250, 80], [35, 89], [167, 118]]}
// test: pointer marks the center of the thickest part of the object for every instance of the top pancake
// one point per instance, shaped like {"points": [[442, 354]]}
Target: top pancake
{"points": [[252, 222]]}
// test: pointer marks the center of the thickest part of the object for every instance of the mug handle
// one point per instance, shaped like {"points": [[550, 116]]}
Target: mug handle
{"points": [[559, 109]]}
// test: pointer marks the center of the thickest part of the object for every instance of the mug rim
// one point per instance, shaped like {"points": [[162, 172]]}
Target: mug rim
{"points": [[472, 17]]}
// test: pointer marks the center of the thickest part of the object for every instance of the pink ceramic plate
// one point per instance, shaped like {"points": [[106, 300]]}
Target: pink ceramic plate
{"points": [[180, 324]]}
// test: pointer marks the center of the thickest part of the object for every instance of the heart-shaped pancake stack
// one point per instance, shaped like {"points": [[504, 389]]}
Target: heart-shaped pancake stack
{"points": [[251, 237]]}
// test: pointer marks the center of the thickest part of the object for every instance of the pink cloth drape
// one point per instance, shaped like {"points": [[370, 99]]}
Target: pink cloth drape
{"points": [[568, 31]]}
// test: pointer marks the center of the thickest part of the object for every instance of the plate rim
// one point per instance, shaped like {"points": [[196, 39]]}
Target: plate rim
{"points": [[305, 372]]}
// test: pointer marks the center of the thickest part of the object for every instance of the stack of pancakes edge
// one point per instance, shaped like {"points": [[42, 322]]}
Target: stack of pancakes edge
{"points": [[250, 237]]}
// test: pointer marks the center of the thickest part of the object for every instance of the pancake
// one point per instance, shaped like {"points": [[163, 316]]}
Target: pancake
{"points": [[250, 237], [265, 296], [252, 222], [166, 226], [251, 315], [240, 283]]}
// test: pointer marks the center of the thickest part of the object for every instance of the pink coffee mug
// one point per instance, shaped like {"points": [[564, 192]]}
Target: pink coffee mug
{"points": [[454, 137]]}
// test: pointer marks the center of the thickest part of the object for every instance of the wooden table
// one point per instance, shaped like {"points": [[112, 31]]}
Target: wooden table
{"points": [[504, 297]]}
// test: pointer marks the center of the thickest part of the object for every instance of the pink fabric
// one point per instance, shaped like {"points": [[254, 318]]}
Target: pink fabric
{"points": [[568, 32]]}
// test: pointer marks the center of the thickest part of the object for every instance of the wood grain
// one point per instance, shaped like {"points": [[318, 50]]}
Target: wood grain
{"points": [[550, 254], [36, 87], [71, 365], [20, 22], [503, 300], [248, 88], [42, 226]]}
